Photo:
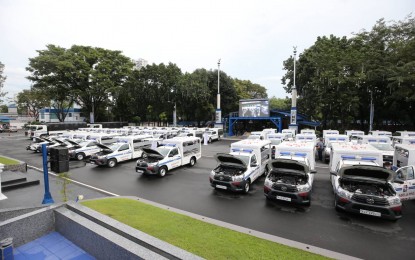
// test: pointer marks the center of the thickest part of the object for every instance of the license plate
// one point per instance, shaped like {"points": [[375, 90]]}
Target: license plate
{"points": [[283, 198], [371, 213], [139, 171], [221, 187]]}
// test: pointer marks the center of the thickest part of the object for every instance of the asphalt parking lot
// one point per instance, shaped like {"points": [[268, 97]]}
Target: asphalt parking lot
{"points": [[189, 189]]}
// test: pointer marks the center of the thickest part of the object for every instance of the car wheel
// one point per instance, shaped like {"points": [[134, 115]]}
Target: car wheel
{"points": [[162, 171], [192, 161], [112, 163], [247, 187], [80, 156]]}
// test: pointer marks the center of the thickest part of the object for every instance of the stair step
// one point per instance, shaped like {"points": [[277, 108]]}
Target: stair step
{"points": [[19, 185], [17, 180]]}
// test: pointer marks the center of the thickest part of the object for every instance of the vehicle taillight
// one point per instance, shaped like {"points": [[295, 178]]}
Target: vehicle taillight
{"points": [[303, 194], [150, 168], [236, 183]]}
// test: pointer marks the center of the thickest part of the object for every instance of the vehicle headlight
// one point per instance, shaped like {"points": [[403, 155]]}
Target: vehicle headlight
{"points": [[268, 182], [238, 178], [212, 174], [394, 201], [344, 193], [305, 187]]}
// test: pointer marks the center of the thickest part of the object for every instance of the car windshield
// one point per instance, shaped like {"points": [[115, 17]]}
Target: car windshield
{"points": [[275, 141], [84, 143], [163, 150], [244, 158], [353, 162], [383, 147]]}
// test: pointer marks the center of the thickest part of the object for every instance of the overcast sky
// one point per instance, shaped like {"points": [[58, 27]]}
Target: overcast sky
{"points": [[252, 38]]}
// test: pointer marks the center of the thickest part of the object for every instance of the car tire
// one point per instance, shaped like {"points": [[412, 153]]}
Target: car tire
{"points": [[192, 162], [162, 171], [80, 156], [111, 163], [247, 186]]}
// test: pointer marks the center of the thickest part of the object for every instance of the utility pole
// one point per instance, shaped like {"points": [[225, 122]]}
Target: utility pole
{"points": [[293, 118]]}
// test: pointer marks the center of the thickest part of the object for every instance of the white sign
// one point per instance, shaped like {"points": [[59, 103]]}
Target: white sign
{"points": [[218, 116], [293, 117]]}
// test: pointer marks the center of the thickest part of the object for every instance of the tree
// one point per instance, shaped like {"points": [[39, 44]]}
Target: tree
{"points": [[280, 103], [245, 89], [4, 109], [32, 101], [91, 77], [2, 80]]}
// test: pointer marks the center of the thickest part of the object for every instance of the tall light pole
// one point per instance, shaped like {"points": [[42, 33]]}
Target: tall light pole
{"points": [[218, 111], [372, 111], [293, 118]]}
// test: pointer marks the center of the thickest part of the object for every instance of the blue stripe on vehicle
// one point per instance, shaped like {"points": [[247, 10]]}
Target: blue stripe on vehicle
{"points": [[398, 189], [245, 178], [170, 161]]}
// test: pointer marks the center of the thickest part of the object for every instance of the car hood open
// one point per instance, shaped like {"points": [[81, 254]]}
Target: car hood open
{"points": [[289, 166], [102, 146], [150, 151], [366, 171], [230, 160]]}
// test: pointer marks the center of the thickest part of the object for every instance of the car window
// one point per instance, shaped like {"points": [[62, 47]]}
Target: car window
{"points": [[253, 160], [406, 173], [91, 144], [174, 152], [123, 147]]}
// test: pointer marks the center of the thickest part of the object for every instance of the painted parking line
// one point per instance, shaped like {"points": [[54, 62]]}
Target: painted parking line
{"points": [[77, 182]]}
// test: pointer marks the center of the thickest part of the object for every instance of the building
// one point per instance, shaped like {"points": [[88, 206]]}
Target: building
{"points": [[48, 115]]}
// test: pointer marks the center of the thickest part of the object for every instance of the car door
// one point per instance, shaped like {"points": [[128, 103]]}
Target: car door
{"points": [[405, 190], [124, 152], [174, 159], [255, 168]]}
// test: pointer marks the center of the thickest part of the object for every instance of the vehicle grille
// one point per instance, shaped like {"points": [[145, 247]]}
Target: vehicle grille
{"points": [[221, 177], [142, 164], [288, 188], [367, 199]]}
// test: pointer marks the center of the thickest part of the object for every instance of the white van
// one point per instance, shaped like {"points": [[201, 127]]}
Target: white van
{"points": [[306, 138], [403, 140], [246, 162], [380, 133], [329, 141], [297, 150]]}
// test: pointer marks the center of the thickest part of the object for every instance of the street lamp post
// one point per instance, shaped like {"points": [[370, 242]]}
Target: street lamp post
{"points": [[218, 111], [372, 111], [293, 118]]}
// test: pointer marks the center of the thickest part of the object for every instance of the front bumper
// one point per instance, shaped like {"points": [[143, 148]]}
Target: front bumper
{"points": [[227, 185], [294, 197], [102, 161], [386, 212], [147, 170]]}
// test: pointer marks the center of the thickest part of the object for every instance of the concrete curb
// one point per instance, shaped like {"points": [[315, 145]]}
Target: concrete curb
{"points": [[21, 167]]}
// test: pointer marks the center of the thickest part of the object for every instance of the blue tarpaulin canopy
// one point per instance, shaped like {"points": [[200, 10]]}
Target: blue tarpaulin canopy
{"points": [[5, 119]]}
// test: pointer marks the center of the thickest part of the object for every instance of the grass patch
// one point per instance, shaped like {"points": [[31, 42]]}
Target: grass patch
{"points": [[8, 161], [200, 238]]}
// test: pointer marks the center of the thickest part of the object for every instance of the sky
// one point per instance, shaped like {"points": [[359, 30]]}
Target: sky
{"points": [[252, 38]]}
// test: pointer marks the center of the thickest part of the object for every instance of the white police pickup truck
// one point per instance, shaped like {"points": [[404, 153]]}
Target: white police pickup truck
{"points": [[125, 148], [246, 162], [171, 153]]}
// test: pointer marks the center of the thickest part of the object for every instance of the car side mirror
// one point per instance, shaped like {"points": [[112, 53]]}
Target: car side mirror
{"points": [[399, 181], [313, 171]]}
